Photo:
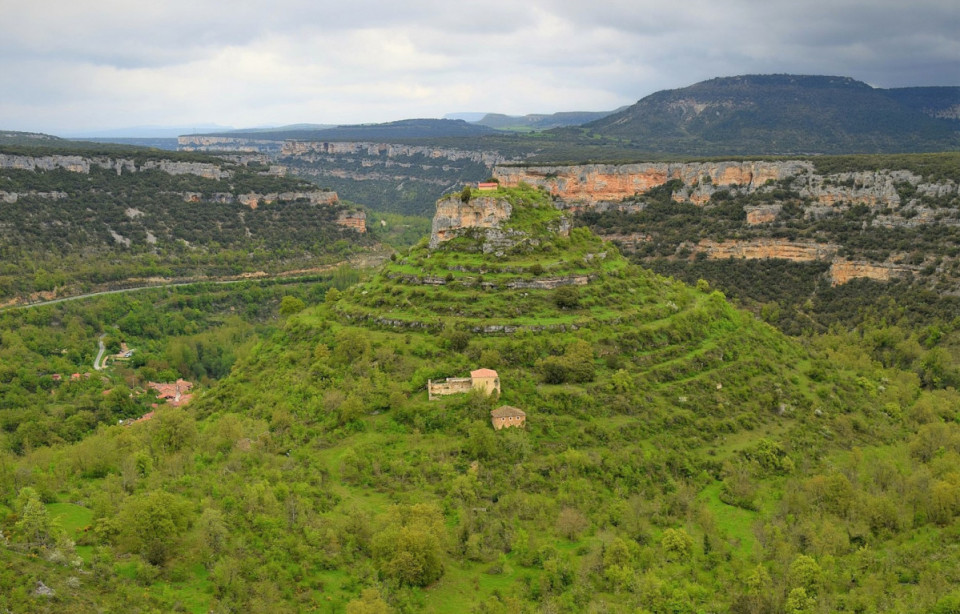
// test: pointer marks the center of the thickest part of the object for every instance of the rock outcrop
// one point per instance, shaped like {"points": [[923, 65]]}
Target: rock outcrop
{"points": [[842, 271], [83, 164], [357, 220], [454, 216], [317, 197], [228, 143], [759, 249], [309, 150], [591, 185]]}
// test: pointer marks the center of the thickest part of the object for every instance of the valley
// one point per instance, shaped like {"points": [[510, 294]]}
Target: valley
{"points": [[431, 366]]}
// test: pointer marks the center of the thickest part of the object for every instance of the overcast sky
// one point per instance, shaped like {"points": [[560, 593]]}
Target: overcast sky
{"points": [[68, 66]]}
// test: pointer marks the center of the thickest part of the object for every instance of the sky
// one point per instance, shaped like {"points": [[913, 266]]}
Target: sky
{"points": [[83, 66]]}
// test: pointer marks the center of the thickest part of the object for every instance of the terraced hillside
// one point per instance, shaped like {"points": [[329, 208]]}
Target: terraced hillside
{"points": [[677, 455]]}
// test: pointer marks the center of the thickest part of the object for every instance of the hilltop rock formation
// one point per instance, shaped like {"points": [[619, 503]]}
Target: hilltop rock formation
{"points": [[454, 216]]}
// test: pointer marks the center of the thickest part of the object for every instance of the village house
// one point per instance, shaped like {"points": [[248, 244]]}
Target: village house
{"points": [[485, 380], [485, 186], [506, 416], [175, 394]]}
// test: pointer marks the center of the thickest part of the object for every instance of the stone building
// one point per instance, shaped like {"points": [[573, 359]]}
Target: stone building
{"points": [[486, 380], [506, 416]]}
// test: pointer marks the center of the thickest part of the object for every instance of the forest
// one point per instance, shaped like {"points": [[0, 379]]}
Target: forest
{"points": [[64, 232], [679, 454]]}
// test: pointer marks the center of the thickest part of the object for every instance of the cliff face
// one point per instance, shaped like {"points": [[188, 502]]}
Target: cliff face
{"points": [[357, 220], [318, 197], [767, 248], [454, 216], [590, 185], [227, 143], [83, 164], [307, 150]]}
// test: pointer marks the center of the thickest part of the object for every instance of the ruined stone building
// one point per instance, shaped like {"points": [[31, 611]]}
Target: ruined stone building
{"points": [[486, 380]]}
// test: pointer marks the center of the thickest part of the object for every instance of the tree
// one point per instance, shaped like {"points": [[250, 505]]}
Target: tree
{"points": [[34, 521], [567, 297], [368, 603], [571, 523], [290, 305], [677, 544], [465, 194], [409, 549], [152, 524]]}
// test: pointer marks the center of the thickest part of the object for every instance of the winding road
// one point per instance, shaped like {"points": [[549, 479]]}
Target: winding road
{"points": [[96, 361]]}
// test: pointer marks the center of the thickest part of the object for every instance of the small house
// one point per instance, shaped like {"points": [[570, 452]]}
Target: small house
{"points": [[486, 380], [506, 416], [485, 186]]}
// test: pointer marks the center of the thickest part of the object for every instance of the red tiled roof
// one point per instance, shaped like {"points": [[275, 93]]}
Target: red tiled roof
{"points": [[483, 373]]}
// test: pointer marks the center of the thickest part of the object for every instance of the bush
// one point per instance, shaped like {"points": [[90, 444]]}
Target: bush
{"points": [[567, 297]]}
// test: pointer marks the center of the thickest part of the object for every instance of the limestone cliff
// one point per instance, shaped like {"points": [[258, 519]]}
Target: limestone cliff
{"points": [[795, 251], [83, 164], [842, 271], [591, 185], [316, 197], [453, 216], [356, 220]]}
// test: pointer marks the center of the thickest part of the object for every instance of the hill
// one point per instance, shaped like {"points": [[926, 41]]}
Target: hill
{"points": [[780, 114], [533, 121], [678, 454], [939, 102], [404, 129]]}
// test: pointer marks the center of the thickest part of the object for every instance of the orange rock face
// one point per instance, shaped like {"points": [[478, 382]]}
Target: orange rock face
{"points": [[843, 271], [356, 220], [767, 248], [613, 182]]}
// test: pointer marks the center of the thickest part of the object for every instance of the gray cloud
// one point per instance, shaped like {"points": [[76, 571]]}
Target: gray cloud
{"points": [[84, 65]]}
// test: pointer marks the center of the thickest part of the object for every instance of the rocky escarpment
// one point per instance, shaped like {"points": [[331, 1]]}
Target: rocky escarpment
{"points": [[592, 185], [454, 216], [310, 150], [83, 164], [228, 143]]}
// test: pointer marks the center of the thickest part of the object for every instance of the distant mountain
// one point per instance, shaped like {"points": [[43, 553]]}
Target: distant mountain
{"points": [[523, 123], [271, 130], [33, 139], [403, 129], [142, 132], [467, 116], [939, 102], [782, 114], [170, 144]]}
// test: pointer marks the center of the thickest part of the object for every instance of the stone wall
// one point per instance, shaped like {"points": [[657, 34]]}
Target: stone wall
{"points": [[451, 385]]}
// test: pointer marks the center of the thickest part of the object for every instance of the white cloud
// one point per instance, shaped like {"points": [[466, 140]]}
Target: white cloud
{"points": [[85, 65]]}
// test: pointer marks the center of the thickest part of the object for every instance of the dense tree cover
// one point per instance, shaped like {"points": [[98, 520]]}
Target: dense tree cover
{"points": [[69, 232], [706, 463], [193, 332]]}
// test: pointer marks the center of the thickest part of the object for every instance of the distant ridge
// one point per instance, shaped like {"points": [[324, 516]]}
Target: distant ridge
{"points": [[785, 114], [403, 129], [533, 121]]}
